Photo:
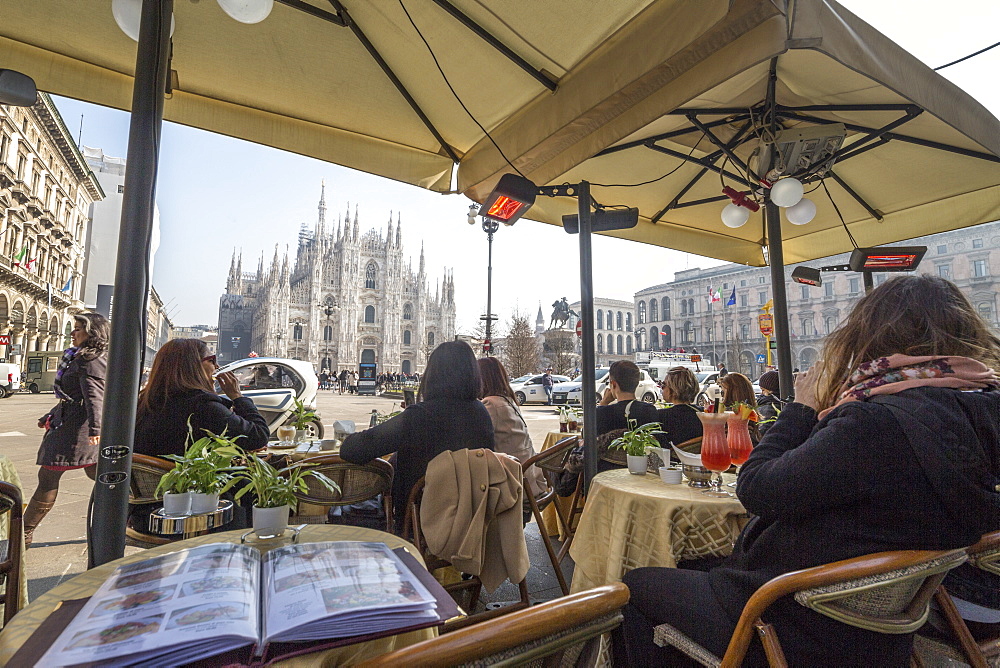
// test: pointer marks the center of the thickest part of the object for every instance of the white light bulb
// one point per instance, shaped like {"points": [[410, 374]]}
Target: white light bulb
{"points": [[473, 212], [735, 216], [127, 15], [801, 213], [247, 11], [786, 192]]}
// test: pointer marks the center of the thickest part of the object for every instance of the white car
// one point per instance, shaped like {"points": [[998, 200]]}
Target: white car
{"points": [[10, 379], [529, 389], [710, 390], [572, 392], [272, 383]]}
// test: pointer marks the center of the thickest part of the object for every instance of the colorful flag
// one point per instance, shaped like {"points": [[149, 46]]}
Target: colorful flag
{"points": [[732, 298], [68, 286], [32, 263], [717, 296], [20, 256]]}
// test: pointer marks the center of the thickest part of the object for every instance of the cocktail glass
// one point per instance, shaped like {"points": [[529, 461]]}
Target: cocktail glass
{"points": [[738, 437], [715, 449]]}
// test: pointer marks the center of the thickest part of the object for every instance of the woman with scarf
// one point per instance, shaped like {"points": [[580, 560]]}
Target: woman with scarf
{"points": [[73, 426], [892, 443]]}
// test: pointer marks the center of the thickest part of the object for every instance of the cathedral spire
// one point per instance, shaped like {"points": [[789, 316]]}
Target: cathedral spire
{"points": [[399, 229], [321, 220], [354, 230], [421, 258], [539, 320], [388, 234]]}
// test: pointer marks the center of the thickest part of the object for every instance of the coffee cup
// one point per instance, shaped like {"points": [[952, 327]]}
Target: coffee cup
{"points": [[670, 475]]}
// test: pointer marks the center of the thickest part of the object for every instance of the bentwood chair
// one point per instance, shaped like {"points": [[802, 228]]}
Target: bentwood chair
{"points": [[357, 482], [145, 477], [887, 592], [471, 584], [562, 632], [550, 463], [10, 550], [984, 555]]}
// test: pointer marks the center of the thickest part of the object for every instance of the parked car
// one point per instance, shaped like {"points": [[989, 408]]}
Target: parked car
{"points": [[40, 370], [273, 383], [572, 392], [530, 390], [710, 388], [10, 379]]}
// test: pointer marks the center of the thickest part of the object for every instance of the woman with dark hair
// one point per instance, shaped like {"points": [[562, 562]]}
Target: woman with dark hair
{"points": [[447, 416], [73, 426], [737, 389], [892, 443], [181, 390], [679, 421], [510, 431]]}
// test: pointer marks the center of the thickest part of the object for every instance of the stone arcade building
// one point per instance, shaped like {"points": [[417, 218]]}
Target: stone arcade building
{"points": [[347, 298]]}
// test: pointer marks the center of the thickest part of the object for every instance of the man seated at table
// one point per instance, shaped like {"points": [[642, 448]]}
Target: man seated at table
{"points": [[619, 409]]}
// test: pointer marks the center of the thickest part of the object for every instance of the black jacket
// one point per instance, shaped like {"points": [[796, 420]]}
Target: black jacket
{"points": [[417, 435], [853, 484], [768, 409], [680, 422], [77, 417], [165, 432], [612, 416]]}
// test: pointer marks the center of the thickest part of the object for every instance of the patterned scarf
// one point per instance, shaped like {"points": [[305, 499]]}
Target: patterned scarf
{"points": [[67, 357], [895, 373]]}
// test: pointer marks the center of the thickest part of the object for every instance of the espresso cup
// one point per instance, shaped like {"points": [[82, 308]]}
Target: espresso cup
{"points": [[670, 475]]}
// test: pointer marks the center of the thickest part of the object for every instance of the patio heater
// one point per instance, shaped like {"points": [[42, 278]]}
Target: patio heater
{"points": [[866, 261], [490, 226]]}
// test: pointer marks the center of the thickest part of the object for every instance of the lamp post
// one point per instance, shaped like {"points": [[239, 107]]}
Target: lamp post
{"points": [[490, 226], [328, 308]]}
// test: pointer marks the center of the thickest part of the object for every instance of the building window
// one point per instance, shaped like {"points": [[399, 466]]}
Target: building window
{"points": [[618, 321], [690, 307], [978, 268], [852, 286], [831, 324], [600, 319], [407, 311], [654, 338], [745, 332], [369, 314], [942, 249], [743, 300], [729, 332], [600, 343], [406, 337], [121, 189], [297, 332], [430, 339], [628, 322], [986, 311], [762, 297], [743, 284], [828, 289], [642, 313], [620, 345], [805, 291], [944, 271], [762, 279], [328, 333], [654, 314], [370, 275], [808, 328], [709, 333], [977, 243], [628, 345], [666, 308], [880, 279], [684, 307]]}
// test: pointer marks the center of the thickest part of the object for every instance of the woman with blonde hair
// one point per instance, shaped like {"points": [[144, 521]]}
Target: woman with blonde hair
{"points": [[680, 421], [892, 443]]}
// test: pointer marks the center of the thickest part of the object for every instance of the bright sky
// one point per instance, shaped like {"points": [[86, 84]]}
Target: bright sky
{"points": [[215, 193]]}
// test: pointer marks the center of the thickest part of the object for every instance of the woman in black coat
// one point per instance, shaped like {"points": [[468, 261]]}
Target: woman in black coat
{"points": [[73, 426], [892, 443]]}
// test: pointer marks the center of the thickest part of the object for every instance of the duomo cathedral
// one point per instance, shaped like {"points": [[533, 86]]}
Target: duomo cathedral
{"points": [[346, 298]]}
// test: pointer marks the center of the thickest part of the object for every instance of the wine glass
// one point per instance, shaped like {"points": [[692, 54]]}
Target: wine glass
{"points": [[714, 449], [738, 437]]}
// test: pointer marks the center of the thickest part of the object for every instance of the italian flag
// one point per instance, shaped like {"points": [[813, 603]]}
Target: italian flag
{"points": [[20, 256]]}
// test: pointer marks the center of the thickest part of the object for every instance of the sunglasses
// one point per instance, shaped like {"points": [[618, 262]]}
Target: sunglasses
{"points": [[211, 358]]}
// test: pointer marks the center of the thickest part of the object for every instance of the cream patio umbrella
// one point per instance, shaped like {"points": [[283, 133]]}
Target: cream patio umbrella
{"points": [[361, 83], [891, 149]]}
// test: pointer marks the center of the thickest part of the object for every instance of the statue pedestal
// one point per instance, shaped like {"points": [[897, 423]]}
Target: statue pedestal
{"points": [[560, 350]]}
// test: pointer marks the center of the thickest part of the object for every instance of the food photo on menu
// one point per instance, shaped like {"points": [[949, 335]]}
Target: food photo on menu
{"points": [[206, 601]]}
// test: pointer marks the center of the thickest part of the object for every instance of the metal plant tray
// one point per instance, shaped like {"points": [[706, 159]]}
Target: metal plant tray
{"points": [[173, 525]]}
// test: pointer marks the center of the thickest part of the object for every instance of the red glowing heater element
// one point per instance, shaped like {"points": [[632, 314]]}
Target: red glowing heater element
{"points": [[887, 258], [504, 209], [512, 196]]}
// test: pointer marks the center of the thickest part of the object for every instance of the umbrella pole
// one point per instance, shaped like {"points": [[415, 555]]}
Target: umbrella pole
{"points": [[775, 256], [106, 531], [589, 394]]}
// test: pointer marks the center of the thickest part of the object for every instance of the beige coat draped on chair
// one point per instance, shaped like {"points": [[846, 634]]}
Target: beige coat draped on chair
{"points": [[471, 514]]}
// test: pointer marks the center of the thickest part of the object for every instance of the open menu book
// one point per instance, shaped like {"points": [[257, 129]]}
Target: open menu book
{"points": [[209, 600]]}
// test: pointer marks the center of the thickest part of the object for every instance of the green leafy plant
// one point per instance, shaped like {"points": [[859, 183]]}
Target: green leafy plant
{"points": [[274, 488], [205, 467], [637, 440], [301, 415], [383, 417]]}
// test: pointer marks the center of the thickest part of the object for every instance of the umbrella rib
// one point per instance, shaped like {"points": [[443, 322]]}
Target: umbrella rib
{"points": [[699, 161], [506, 51], [670, 135], [303, 6], [373, 52], [725, 148], [850, 191]]}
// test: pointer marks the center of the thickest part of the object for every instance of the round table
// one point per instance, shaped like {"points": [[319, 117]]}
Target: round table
{"points": [[552, 524], [85, 584], [631, 521]]}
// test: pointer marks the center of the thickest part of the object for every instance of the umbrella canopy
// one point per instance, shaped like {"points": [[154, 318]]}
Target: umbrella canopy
{"points": [[918, 156], [354, 82]]}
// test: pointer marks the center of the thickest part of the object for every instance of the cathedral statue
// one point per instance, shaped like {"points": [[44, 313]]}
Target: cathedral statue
{"points": [[345, 297], [561, 312]]}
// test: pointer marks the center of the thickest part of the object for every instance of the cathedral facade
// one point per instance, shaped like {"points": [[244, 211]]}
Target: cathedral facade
{"points": [[346, 298]]}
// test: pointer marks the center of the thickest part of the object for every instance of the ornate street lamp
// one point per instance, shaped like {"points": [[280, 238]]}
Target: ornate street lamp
{"points": [[490, 226]]}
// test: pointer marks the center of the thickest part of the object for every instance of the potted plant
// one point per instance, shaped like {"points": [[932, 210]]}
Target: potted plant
{"points": [[274, 491], [635, 443], [202, 473], [300, 419]]}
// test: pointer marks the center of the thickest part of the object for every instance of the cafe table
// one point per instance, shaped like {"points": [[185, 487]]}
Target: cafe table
{"points": [[8, 473], [632, 521], [553, 527], [85, 584]]}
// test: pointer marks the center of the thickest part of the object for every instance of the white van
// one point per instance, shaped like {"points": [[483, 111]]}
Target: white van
{"points": [[10, 379], [657, 363]]}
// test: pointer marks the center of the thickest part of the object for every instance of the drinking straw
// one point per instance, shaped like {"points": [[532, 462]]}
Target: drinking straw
{"points": [[715, 407]]}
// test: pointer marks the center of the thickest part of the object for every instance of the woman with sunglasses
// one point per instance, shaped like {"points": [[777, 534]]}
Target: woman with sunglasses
{"points": [[181, 390]]}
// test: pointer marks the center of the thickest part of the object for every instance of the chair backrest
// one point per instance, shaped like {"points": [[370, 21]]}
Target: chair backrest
{"points": [[10, 554], [560, 632], [357, 482], [986, 553], [616, 456], [550, 462], [146, 474]]}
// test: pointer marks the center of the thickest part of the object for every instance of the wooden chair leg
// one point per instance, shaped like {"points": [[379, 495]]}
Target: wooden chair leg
{"points": [[772, 648], [957, 625], [548, 544], [573, 512]]}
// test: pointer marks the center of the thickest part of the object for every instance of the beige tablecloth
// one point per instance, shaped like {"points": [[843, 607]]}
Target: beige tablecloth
{"points": [[632, 521], [9, 474], [85, 584], [553, 527]]}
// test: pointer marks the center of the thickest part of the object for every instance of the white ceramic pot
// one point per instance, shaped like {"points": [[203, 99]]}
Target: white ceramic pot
{"points": [[176, 504], [203, 503], [270, 521], [636, 464]]}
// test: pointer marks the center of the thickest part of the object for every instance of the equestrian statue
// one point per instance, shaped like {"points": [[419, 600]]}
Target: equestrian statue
{"points": [[561, 313]]}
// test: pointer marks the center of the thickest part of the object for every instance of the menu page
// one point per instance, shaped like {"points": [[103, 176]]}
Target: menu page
{"points": [[192, 603], [342, 581]]}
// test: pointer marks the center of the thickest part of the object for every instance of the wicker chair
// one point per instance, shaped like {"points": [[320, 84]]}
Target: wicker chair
{"points": [[550, 462], [358, 482], [10, 550], [984, 555], [562, 632], [146, 474], [473, 585], [887, 592]]}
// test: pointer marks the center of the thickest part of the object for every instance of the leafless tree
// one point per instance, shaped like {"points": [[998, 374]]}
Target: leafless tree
{"points": [[561, 356], [519, 351]]}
